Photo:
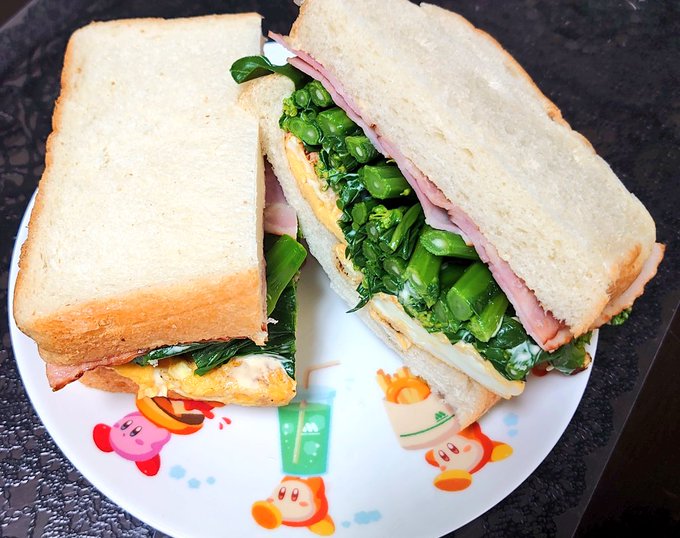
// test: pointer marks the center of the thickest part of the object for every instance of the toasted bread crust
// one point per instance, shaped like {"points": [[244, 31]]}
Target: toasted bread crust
{"points": [[150, 318], [34, 224]]}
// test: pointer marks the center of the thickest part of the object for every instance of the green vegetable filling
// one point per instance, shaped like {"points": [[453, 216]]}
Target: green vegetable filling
{"points": [[284, 257], [434, 274]]}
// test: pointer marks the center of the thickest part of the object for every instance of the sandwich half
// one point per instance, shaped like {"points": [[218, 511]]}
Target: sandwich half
{"points": [[445, 196], [144, 265]]}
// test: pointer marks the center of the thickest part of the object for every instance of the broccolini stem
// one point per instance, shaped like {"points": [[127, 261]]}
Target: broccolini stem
{"points": [[305, 131], [443, 314], [251, 67], [384, 181], [395, 266], [449, 274], [284, 260], [443, 243], [483, 326], [320, 97], [411, 217], [362, 210], [342, 161], [308, 114], [301, 98], [335, 123], [422, 274], [471, 292], [361, 148]]}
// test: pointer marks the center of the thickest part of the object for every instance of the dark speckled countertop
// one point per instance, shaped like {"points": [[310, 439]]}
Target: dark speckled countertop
{"points": [[612, 67]]}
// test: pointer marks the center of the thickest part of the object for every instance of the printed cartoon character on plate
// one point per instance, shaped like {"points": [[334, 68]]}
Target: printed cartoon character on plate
{"points": [[299, 500], [140, 436], [421, 419]]}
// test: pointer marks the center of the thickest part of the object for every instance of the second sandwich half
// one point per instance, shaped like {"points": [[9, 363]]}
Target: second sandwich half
{"points": [[148, 266]]}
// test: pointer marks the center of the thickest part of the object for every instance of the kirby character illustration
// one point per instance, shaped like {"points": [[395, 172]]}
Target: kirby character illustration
{"points": [[134, 437], [463, 454], [141, 435], [296, 502]]}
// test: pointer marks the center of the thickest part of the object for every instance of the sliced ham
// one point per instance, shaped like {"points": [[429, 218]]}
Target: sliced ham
{"points": [[441, 213], [59, 376], [542, 326], [627, 298], [435, 216], [279, 217], [430, 197]]}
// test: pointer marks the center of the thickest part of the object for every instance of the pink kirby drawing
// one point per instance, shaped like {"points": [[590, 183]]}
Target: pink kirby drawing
{"points": [[135, 438]]}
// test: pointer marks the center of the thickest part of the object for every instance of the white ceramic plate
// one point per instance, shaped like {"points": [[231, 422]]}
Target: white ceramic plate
{"points": [[358, 479]]}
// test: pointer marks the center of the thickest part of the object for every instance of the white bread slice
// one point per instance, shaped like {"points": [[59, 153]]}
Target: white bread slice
{"points": [[470, 118], [468, 398], [147, 227]]}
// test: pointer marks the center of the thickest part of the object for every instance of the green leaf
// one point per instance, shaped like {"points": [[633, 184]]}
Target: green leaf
{"points": [[252, 67], [280, 344], [284, 259]]}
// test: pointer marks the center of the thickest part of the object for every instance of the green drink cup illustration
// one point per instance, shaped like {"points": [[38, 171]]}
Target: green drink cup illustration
{"points": [[304, 428]]}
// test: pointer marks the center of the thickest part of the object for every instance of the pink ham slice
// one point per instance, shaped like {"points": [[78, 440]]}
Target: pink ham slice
{"points": [[435, 215], [441, 213], [627, 298], [541, 325], [59, 376], [279, 217]]}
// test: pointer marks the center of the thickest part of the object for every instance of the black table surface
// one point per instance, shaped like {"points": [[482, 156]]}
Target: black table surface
{"points": [[613, 67]]}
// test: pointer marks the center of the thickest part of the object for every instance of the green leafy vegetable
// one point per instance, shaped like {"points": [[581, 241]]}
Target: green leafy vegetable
{"points": [[621, 317], [280, 344], [384, 181], [252, 67], [284, 260], [514, 354], [443, 243], [210, 355]]}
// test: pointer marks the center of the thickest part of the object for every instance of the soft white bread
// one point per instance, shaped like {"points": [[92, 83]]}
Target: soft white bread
{"points": [[469, 117], [147, 227], [468, 398]]}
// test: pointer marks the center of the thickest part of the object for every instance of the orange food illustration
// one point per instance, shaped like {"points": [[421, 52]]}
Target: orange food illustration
{"points": [[296, 502], [403, 387], [180, 417], [419, 417]]}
